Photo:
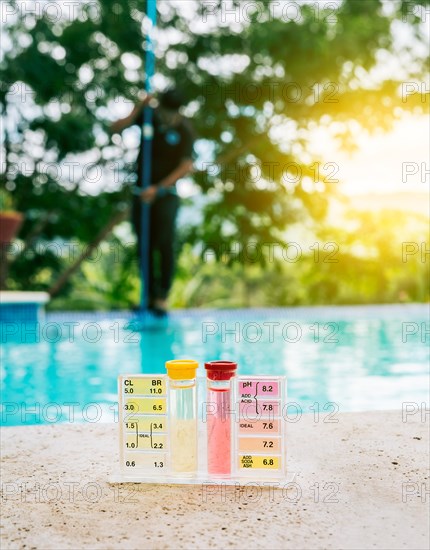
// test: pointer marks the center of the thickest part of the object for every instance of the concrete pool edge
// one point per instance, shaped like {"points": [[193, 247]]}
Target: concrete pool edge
{"points": [[361, 483]]}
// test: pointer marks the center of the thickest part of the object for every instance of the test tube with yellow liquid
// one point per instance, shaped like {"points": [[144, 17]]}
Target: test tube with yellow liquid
{"points": [[183, 415]]}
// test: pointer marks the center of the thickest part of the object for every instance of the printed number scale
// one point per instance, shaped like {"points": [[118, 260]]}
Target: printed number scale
{"points": [[257, 418]]}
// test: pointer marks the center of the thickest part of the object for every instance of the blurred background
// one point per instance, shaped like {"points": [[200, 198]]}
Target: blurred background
{"points": [[311, 173]]}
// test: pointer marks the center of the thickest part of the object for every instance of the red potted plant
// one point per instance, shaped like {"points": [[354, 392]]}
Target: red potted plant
{"points": [[10, 223], [10, 220]]}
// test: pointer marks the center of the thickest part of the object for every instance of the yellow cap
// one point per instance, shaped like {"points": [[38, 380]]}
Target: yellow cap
{"points": [[181, 369]]}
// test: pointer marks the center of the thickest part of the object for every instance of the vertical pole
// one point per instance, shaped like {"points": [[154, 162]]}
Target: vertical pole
{"points": [[147, 133]]}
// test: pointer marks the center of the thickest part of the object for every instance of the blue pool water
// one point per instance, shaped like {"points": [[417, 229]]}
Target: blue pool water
{"points": [[64, 369]]}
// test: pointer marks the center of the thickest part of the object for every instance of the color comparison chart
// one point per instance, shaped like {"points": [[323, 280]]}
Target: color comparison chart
{"points": [[177, 428]]}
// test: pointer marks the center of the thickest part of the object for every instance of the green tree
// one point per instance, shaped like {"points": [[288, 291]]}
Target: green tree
{"points": [[257, 87]]}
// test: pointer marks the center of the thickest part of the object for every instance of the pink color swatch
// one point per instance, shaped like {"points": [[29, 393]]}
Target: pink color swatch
{"points": [[264, 426], [258, 388], [260, 444], [250, 409]]}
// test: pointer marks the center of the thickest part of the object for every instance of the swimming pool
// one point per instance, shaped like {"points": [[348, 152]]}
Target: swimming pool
{"points": [[351, 358]]}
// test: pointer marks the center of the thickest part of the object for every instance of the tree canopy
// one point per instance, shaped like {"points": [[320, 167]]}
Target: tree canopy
{"points": [[258, 79]]}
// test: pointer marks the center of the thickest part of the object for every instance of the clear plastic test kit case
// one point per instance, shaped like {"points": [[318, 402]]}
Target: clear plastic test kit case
{"points": [[177, 428]]}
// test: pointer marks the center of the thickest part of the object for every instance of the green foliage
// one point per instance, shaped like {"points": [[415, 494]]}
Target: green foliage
{"points": [[92, 289], [6, 201], [61, 78], [361, 264]]}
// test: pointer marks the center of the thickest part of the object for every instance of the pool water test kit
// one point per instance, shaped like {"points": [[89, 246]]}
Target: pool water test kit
{"points": [[177, 428]]}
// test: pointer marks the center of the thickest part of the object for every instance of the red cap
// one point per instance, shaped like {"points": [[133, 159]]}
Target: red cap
{"points": [[220, 370]]}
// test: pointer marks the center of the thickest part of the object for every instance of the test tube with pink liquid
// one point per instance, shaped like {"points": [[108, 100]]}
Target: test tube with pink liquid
{"points": [[220, 379]]}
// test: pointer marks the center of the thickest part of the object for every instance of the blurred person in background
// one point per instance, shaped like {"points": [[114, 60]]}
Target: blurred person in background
{"points": [[172, 159]]}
